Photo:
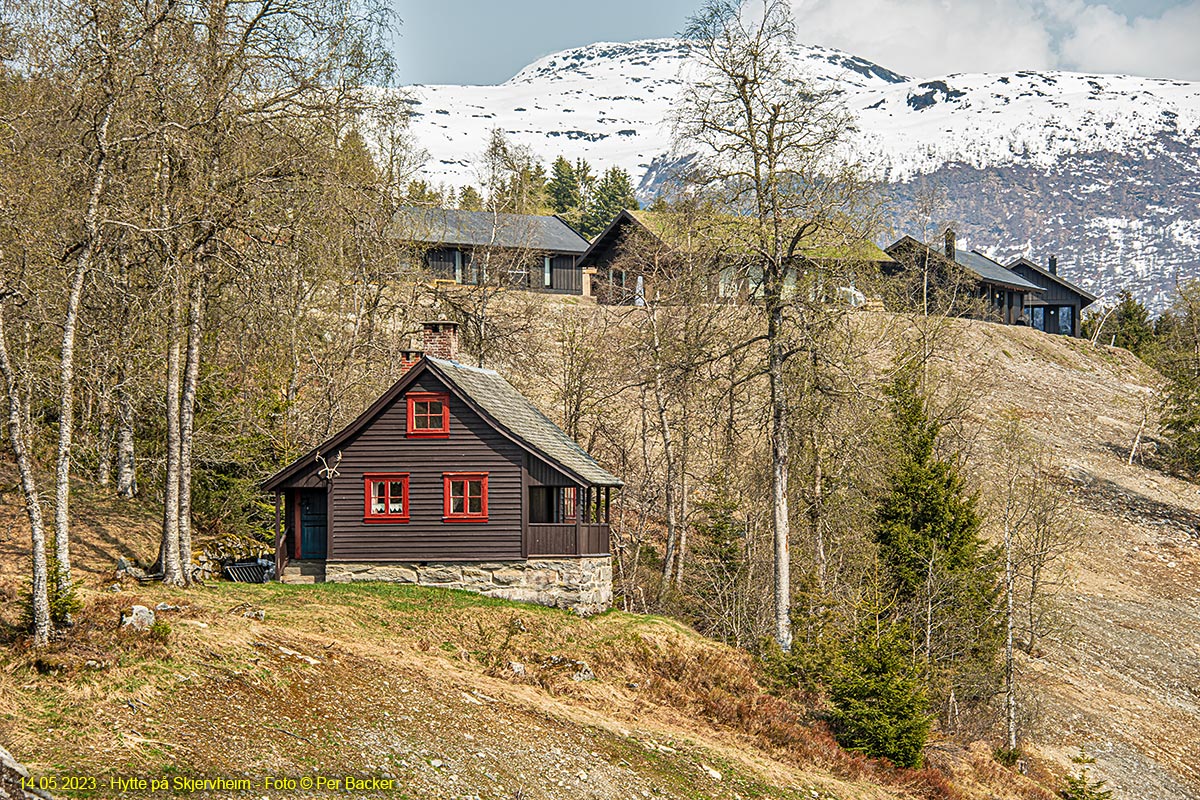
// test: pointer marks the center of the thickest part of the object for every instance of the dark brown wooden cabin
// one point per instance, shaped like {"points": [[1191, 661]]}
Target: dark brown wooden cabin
{"points": [[1059, 307], [662, 239], [451, 464], [964, 282], [517, 251]]}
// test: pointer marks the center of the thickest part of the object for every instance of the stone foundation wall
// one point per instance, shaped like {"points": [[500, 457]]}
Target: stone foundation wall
{"points": [[583, 585]]}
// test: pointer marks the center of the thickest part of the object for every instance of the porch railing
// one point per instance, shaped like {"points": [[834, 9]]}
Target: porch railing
{"points": [[565, 539]]}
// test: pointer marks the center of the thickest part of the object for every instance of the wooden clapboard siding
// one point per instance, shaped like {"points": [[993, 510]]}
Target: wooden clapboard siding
{"points": [[542, 474], [565, 275], [473, 446]]}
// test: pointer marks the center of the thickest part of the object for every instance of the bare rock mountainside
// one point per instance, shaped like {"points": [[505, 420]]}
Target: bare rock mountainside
{"points": [[1102, 170]]}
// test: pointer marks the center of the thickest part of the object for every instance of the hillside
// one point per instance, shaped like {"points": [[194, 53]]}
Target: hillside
{"points": [[419, 684], [1031, 163]]}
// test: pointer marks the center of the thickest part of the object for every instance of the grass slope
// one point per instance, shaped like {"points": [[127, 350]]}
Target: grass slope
{"points": [[417, 683]]}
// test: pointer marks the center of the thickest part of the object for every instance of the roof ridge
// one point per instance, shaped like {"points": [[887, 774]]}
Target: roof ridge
{"points": [[459, 365]]}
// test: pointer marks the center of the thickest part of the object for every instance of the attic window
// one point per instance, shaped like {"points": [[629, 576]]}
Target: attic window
{"points": [[386, 497], [465, 496], [428, 414]]}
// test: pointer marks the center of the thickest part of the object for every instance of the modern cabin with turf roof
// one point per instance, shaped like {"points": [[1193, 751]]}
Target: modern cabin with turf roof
{"points": [[1059, 307], [514, 251], [640, 248], [452, 478]]}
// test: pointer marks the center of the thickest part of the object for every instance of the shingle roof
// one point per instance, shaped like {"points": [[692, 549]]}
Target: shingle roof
{"points": [[504, 407], [448, 226], [512, 411], [992, 271]]}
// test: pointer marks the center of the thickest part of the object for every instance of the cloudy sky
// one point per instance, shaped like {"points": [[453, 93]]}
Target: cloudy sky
{"points": [[487, 41]]}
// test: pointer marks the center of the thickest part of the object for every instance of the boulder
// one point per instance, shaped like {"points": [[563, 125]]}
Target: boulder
{"points": [[139, 618]]}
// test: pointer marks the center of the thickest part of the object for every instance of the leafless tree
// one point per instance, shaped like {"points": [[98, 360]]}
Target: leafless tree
{"points": [[769, 141]]}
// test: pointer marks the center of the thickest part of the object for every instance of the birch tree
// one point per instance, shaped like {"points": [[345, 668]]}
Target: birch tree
{"points": [[767, 141]]}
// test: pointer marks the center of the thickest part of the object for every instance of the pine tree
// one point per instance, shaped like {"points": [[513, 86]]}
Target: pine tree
{"points": [[563, 189], [1081, 787], [928, 514], [614, 194], [1177, 357], [1127, 326]]}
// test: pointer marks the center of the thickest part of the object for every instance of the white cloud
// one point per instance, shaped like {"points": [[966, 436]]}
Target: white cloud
{"points": [[925, 38], [1162, 47]]}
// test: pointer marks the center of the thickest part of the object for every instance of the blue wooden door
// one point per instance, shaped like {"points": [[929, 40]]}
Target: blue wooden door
{"points": [[312, 524]]}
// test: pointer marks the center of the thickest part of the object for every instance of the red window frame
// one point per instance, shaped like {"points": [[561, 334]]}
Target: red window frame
{"points": [[427, 397], [448, 495], [386, 478]]}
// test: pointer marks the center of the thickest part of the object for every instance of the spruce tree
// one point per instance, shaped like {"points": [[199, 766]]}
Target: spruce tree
{"points": [[944, 576], [879, 703], [614, 193], [563, 189], [469, 199]]}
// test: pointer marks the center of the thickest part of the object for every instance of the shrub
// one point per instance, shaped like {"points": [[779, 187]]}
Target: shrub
{"points": [[1080, 787], [160, 632]]}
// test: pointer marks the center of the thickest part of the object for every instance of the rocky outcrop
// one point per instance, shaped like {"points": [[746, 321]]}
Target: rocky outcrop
{"points": [[11, 776]]}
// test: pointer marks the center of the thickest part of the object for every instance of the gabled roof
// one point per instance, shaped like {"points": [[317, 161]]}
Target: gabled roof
{"points": [[993, 271], [1061, 281], [495, 400], [449, 226], [974, 262], [673, 230], [510, 410]]}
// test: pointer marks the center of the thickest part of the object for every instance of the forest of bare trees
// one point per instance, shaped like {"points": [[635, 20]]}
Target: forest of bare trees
{"points": [[200, 277]]}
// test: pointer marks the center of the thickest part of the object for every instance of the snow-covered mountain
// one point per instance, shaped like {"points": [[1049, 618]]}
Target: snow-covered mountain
{"points": [[1102, 170]]}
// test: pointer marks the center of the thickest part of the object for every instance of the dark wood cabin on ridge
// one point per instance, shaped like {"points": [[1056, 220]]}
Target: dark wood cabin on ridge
{"points": [[452, 478], [1059, 308], [638, 248], [516, 251], [961, 282]]}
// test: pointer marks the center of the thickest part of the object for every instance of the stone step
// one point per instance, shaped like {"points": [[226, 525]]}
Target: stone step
{"points": [[304, 572]]}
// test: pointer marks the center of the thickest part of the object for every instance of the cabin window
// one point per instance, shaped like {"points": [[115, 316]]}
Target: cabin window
{"points": [[386, 497], [547, 276], [465, 497], [428, 414], [568, 508]]}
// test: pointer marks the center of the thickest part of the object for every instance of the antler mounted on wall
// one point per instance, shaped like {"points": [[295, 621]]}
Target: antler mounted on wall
{"points": [[329, 472]]}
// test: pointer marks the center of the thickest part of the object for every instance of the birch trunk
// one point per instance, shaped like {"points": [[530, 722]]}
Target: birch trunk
{"points": [[66, 411], [664, 429], [187, 413], [682, 522], [779, 470], [1010, 697], [104, 455], [126, 463], [40, 600], [816, 512], [169, 549]]}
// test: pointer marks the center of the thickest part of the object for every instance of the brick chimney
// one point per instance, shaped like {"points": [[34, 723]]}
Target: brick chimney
{"points": [[441, 339], [951, 243], [408, 359], [1053, 265]]}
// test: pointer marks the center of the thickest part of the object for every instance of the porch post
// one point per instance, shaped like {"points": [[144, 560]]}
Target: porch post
{"points": [[579, 507], [278, 540], [296, 523]]}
